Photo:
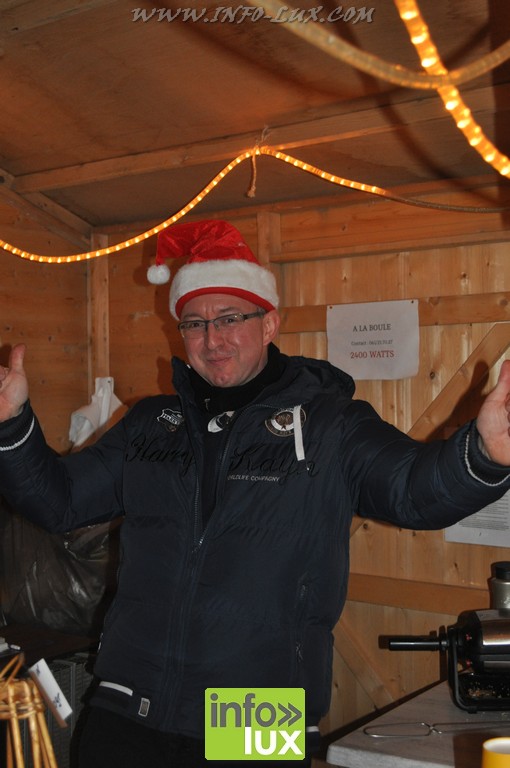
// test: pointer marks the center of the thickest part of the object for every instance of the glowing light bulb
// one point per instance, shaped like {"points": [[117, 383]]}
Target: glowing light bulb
{"points": [[419, 38], [452, 104], [463, 122]]}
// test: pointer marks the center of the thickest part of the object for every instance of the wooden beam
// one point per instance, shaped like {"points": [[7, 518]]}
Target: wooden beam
{"points": [[48, 214], [363, 667], [351, 122], [98, 315], [432, 310], [389, 226], [492, 229], [268, 236], [64, 217], [269, 242], [458, 310], [416, 595], [471, 373]]}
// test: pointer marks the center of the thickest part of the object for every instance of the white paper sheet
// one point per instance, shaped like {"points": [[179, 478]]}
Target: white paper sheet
{"points": [[489, 526], [375, 340]]}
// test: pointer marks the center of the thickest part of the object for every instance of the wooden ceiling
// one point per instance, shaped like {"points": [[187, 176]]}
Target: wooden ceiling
{"points": [[112, 113]]}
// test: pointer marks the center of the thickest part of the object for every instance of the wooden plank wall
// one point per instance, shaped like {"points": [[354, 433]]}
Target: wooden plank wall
{"points": [[45, 306]]}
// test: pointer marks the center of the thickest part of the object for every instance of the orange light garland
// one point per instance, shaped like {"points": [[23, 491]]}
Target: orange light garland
{"points": [[431, 62], [318, 35], [253, 153], [436, 76]]}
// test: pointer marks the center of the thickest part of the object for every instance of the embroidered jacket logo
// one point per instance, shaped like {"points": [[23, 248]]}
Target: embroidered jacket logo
{"points": [[281, 423], [171, 420]]}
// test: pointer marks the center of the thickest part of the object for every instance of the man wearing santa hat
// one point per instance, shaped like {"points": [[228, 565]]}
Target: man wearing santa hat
{"points": [[237, 495]]}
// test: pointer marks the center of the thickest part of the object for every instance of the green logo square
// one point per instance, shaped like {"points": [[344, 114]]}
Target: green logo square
{"points": [[255, 724]]}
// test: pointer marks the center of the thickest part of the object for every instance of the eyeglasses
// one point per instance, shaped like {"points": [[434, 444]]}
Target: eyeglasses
{"points": [[193, 329]]}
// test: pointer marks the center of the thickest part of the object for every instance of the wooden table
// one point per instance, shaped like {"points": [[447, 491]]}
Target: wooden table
{"points": [[460, 747]]}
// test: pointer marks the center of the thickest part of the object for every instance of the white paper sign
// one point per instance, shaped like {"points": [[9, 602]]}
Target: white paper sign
{"points": [[490, 526], [376, 340]]}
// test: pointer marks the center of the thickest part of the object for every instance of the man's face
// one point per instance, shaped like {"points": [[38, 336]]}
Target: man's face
{"points": [[228, 358]]}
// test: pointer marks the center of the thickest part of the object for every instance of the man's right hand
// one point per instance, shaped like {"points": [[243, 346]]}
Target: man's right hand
{"points": [[13, 384]]}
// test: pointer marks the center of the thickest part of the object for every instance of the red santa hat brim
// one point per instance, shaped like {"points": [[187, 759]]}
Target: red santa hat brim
{"points": [[235, 277]]}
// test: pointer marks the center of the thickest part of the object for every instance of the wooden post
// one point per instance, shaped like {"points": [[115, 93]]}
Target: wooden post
{"points": [[269, 239], [98, 314]]}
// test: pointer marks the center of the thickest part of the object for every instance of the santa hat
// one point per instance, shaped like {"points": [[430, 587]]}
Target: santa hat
{"points": [[219, 261]]}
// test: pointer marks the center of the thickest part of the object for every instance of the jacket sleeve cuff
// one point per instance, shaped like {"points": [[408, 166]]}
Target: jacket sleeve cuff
{"points": [[16, 431], [478, 463]]}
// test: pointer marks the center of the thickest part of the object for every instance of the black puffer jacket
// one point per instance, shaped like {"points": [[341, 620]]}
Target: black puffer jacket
{"points": [[251, 600]]}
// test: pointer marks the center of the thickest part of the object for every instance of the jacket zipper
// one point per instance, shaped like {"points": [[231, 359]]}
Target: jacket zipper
{"points": [[221, 466], [190, 567]]}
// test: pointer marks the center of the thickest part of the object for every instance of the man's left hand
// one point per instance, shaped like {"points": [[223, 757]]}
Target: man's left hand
{"points": [[493, 421]]}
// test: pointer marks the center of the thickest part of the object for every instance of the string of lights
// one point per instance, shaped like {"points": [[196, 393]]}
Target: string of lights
{"points": [[436, 75], [431, 61], [319, 36], [251, 154]]}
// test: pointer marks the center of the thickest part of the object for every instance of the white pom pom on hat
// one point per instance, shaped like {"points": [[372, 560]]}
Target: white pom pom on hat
{"points": [[158, 274], [218, 261]]}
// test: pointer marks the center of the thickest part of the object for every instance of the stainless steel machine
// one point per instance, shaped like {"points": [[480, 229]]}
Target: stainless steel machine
{"points": [[478, 657]]}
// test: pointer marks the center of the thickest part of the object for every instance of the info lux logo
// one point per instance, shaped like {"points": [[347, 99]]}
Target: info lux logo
{"points": [[255, 724]]}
